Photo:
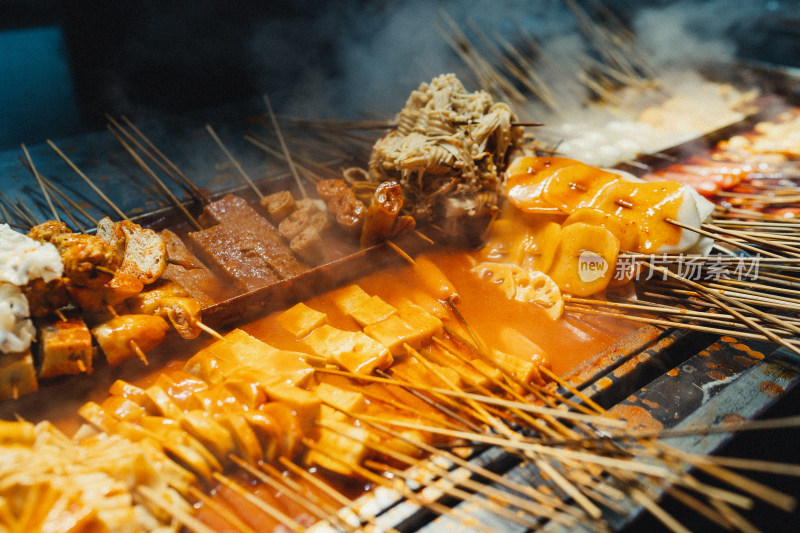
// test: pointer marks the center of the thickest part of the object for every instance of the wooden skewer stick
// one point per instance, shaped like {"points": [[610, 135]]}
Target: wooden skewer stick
{"points": [[261, 504], [155, 179], [24, 206], [183, 516], [235, 162], [402, 253], [86, 179], [24, 216], [284, 490], [230, 517], [492, 493], [285, 148], [721, 299], [209, 330], [400, 487], [548, 503], [591, 419], [332, 493], [195, 191], [40, 182]]}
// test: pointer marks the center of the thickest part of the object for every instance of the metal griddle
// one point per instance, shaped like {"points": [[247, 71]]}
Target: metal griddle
{"points": [[679, 379]]}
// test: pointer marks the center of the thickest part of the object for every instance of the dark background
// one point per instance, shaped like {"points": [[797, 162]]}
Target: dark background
{"points": [[64, 63]]}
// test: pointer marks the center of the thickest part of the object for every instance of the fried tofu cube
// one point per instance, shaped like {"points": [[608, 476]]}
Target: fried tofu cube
{"points": [[202, 426], [353, 350], [372, 311], [418, 318], [300, 320], [394, 333], [239, 351], [488, 373], [525, 370], [304, 404], [412, 371], [65, 347], [348, 448], [348, 298], [17, 375], [347, 400]]}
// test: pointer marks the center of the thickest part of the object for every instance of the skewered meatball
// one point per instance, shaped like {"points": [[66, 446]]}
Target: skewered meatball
{"points": [[88, 260], [47, 231]]}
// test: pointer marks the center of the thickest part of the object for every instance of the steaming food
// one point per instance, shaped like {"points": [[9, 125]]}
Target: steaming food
{"points": [[143, 252], [89, 286], [446, 153], [750, 164]]}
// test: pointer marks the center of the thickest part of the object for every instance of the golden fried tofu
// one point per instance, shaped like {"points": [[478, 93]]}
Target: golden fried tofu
{"points": [[65, 347], [372, 311], [300, 320], [352, 350]]}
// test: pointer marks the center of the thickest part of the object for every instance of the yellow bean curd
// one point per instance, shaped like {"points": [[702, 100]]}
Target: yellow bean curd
{"points": [[510, 326]]}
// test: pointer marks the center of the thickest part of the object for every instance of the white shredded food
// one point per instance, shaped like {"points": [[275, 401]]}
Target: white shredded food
{"points": [[23, 259], [16, 329]]}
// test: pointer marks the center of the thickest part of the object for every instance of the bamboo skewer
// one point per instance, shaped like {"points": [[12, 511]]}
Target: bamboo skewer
{"points": [[192, 187], [155, 179], [41, 183], [259, 503], [227, 515], [183, 516], [481, 398], [235, 162], [285, 148], [86, 179]]}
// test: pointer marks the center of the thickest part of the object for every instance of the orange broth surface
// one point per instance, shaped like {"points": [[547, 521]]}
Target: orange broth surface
{"points": [[567, 342]]}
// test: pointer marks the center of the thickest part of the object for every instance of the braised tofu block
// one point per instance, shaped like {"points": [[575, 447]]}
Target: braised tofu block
{"points": [[348, 298], [346, 444], [213, 435], [304, 404], [525, 370], [235, 254], [291, 436], [247, 444], [235, 213], [130, 391], [352, 350], [412, 371], [240, 351], [346, 400], [372, 311], [300, 320], [65, 347], [394, 333], [466, 372], [215, 399], [123, 409], [247, 386], [419, 319], [17, 375]]}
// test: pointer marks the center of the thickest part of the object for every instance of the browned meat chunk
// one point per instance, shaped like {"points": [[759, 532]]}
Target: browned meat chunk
{"points": [[45, 297], [263, 238], [235, 254]]}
